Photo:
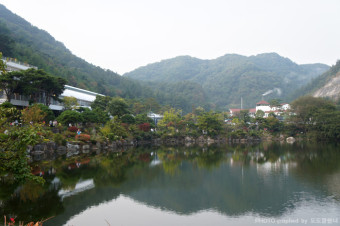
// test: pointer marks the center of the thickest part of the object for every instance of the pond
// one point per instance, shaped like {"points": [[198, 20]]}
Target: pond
{"points": [[259, 184]]}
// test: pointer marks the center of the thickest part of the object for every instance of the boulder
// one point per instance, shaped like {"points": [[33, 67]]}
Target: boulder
{"points": [[290, 140]]}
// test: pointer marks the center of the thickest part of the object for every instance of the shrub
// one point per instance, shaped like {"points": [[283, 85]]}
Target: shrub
{"points": [[72, 129], [144, 127], [83, 137]]}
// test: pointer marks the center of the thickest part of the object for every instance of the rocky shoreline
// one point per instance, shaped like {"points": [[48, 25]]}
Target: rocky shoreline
{"points": [[51, 150]]}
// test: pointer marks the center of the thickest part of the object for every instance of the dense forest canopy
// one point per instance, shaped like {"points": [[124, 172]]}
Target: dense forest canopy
{"points": [[228, 78]]}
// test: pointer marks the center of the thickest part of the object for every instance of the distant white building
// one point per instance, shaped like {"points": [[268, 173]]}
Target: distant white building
{"points": [[263, 106], [14, 65], [155, 117]]}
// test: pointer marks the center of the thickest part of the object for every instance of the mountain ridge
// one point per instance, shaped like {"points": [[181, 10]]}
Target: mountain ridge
{"points": [[228, 78]]}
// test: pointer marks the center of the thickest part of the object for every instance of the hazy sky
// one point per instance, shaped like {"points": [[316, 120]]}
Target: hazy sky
{"points": [[122, 35]]}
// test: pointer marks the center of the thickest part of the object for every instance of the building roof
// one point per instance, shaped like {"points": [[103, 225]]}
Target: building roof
{"points": [[80, 94], [262, 102], [252, 110], [235, 109]]}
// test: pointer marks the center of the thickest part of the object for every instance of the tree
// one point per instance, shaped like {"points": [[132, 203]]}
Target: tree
{"points": [[32, 83], [275, 102], [70, 116], [38, 83], [114, 130], [11, 82], [128, 118], [70, 103], [244, 116], [49, 115], [118, 107], [306, 109], [101, 102], [13, 159], [171, 120], [32, 114], [210, 122], [259, 114]]}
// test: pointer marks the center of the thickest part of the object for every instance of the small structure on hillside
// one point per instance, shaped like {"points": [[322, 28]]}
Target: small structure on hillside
{"points": [[155, 117]]}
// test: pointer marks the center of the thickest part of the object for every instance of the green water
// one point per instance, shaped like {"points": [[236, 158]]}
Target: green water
{"points": [[263, 184]]}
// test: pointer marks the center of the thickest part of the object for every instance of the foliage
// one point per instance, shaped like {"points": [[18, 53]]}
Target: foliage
{"points": [[118, 107], [83, 137], [32, 114], [13, 160], [32, 83], [315, 115], [145, 127], [72, 129], [70, 103], [272, 124], [113, 130], [128, 118], [143, 118], [69, 116], [49, 115], [210, 122], [8, 115], [171, 121], [224, 80], [2, 63]]}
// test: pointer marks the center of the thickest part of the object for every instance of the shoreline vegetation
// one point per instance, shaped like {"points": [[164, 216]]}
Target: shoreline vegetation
{"points": [[35, 133], [114, 122]]}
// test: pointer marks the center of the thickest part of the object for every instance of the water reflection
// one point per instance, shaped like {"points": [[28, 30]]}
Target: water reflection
{"points": [[264, 180]]}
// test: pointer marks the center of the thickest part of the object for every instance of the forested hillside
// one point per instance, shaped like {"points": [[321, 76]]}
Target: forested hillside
{"points": [[21, 40], [325, 85], [25, 42], [228, 78]]}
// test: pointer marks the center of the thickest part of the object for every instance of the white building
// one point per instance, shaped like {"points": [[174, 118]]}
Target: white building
{"points": [[155, 117], [84, 97], [263, 106], [14, 65]]}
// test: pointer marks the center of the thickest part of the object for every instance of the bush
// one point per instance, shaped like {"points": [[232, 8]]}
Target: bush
{"points": [[83, 137], [59, 139], [72, 129], [145, 127], [69, 116]]}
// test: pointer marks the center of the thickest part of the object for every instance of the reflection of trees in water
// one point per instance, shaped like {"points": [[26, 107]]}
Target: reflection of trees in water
{"points": [[32, 203], [188, 180]]}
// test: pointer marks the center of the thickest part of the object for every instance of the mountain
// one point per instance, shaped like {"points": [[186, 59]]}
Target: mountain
{"points": [[228, 78], [326, 85], [25, 42]]}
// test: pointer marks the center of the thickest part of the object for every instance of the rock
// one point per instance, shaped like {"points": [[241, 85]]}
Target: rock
{"points": [[210, 140], [72, 149], [86, 149], [290, 140], [40, 147], [61, 150], [38, 155]]}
